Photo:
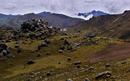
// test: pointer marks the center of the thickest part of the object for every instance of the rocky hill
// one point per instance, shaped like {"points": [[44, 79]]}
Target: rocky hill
{"points": [[109, 25]]}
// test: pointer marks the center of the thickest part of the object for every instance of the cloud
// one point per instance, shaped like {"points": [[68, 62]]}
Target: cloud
{"points": [[69, 7]]}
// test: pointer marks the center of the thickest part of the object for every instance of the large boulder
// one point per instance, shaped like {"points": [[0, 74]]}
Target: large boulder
{"points": [[90, 35], [4, 50]]}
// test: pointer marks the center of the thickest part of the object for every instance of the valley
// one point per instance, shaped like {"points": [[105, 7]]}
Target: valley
{"points": [[94, 50]]}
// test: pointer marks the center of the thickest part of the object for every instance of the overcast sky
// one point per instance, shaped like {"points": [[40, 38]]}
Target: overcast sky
{"points": [[68, 7]]}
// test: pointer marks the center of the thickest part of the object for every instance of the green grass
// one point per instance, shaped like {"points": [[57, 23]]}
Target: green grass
{"points": [[13, 67]]}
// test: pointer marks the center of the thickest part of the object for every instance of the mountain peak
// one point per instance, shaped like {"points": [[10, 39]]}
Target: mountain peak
{"points": [[127, 11], [93, 13]]}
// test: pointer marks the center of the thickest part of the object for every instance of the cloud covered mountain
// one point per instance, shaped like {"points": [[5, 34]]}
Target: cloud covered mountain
{"points": [[91, 14]]}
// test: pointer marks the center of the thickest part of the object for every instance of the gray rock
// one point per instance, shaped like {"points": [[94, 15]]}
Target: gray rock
{"points": [[104, 75], [69, 79], [107, 65], [86, 79], [61, 51], [30, 62], [77, 63], [91, 68]]}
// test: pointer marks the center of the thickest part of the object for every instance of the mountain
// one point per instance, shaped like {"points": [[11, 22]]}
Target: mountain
{"points": [[117, 25], [58, 20], [93, 13]]}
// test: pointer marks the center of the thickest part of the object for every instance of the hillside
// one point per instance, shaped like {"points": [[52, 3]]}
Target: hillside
{"points": [[39, 52], [109, 25]]}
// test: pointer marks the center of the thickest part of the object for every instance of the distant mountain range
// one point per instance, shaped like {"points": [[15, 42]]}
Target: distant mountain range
{"points": [[58, 20], [93, 13]]}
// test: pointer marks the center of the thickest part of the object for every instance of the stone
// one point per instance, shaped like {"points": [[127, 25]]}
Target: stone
{"points": [[78, 66], [61, 51], [44, 44], [5, 52], [90, 35], [48, 74], [77, 63], [68, 59], [104, 75], [86, 79], [47, 41], [3, 46], [30, 62], [107, 65], [91, 68], [62, 48], [17, 46], [69, 79], [66, 42]]}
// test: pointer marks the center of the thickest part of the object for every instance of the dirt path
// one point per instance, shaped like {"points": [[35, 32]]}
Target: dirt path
{"points": [[113, 52]]}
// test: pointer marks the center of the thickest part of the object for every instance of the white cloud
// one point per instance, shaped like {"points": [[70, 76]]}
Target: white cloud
{"points": [[69, 7]]}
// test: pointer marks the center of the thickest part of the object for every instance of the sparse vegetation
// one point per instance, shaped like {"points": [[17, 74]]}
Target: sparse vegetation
{"points": [[54, 56]]}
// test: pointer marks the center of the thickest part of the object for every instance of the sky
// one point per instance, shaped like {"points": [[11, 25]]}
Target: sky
{"points": [[68, 7]]}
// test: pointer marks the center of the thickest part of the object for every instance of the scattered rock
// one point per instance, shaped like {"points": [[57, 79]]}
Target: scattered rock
{"points": [[107, 65], [90, 35], [30, 62], [104, 75], [61, 51], [86, 79], [62, 48], [68, 59], [66, 42], [123, 62], [48, 74], [69, 79], [78, 66], [47, 41], [77, 63], [17, 46], [4, 50], [91, 68]]}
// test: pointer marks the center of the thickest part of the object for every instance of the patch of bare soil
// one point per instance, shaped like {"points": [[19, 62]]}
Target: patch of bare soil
{"points": [[112, 52]]}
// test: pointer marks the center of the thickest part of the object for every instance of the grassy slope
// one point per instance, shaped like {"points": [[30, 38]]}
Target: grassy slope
{"points": [[16, 66]]}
